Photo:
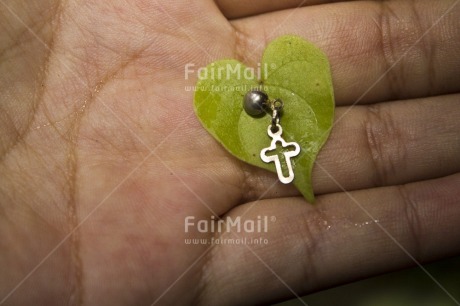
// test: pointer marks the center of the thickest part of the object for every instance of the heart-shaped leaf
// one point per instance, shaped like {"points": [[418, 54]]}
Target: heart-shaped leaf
{"points": [[293, 70]]}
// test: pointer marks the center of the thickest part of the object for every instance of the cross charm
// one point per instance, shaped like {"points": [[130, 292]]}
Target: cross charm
{"points": [[276, 138]]}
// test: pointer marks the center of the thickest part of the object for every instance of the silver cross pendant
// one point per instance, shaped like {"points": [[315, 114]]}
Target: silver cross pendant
{"points": [[267, 157]]}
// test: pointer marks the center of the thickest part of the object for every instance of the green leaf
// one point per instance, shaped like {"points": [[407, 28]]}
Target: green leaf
{"points": [[293, 70]]}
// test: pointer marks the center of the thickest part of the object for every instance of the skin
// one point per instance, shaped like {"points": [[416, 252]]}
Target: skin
{"points": [[102, 158]]}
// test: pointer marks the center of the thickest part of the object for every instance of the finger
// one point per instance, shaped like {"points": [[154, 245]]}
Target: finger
{"points": [[379, 51], [391, 143], [239, 8], [342, 238], [378, 145]]}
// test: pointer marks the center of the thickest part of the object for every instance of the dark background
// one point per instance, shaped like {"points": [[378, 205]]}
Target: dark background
{"points": [[404, 288]]}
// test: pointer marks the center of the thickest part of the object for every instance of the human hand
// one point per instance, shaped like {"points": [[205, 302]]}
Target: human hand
{"points": [[102, 158]]}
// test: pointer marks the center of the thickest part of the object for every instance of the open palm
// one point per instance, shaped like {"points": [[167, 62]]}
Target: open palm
{"points": [[102, 158]]}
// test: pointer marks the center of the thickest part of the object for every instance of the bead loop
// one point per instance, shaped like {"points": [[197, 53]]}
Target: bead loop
{"points": [[276, 106]]}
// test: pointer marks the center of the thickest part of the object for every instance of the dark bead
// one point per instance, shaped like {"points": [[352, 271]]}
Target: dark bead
{"points": [[254, 102]]}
